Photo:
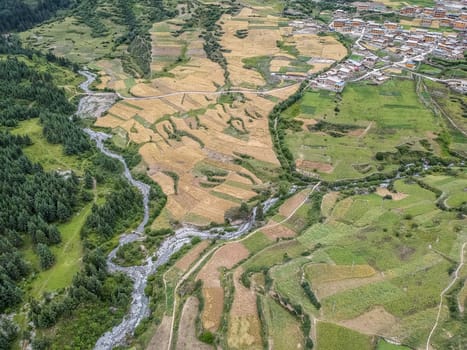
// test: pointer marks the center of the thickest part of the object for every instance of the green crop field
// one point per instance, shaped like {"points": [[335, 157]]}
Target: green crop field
{"points": [[454, 188], [71, 38], [332, 337], [360, 265], [365, 120], [256, 242], [283, 328], [287, 282], [384, 345]]}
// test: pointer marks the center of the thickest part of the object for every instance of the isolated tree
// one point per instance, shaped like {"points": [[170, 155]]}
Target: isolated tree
{"points": [[243, 210], [46, 257], [88, 180], [260, 213]]}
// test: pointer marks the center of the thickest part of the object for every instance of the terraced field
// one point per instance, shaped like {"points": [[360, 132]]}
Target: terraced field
{"points": [[370, 183], [221, 143]]}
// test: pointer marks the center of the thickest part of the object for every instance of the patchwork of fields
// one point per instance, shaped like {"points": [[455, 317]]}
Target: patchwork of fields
{"points": [[357, 262], [375, 265], [208, 151]]}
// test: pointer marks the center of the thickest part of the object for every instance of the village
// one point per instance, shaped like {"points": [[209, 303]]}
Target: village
{"points": [[384, 49]]}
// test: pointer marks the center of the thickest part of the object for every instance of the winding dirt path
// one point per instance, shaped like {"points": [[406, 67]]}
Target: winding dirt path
{"points": [[209, 253], [176, 93], [445, 290]]}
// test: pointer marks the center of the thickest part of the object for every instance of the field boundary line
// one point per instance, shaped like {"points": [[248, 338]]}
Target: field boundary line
{"points": [[213, 250], [445, 290]]}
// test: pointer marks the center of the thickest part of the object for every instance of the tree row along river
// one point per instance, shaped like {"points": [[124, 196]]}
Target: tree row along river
{"points": [[139, 308]]}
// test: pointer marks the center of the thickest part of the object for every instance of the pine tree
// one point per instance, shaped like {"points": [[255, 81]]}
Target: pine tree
{"points": [[46, 257]]}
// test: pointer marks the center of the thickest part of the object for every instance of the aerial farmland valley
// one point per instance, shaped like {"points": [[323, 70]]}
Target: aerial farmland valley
{"points": [[233, 174]]}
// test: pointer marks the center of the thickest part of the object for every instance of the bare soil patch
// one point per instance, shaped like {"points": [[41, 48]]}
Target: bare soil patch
{"points": [[307, 165], [189, 258], [244, 299], [273, 231], [293, 202], [227, 256], [160, 339], [186, 331], [213, 293], [376, 321], [397, 196]]}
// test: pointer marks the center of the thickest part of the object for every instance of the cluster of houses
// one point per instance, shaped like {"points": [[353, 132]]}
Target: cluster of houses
{"points": [[382, 49], [394, 38], [447, 14], [358, 64]]}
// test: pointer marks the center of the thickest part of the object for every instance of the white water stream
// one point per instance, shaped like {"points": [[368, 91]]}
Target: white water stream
{"points": [[139, 308]]}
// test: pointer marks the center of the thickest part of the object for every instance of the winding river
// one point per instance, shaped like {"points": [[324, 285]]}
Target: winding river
{"points": [[139, 308]]}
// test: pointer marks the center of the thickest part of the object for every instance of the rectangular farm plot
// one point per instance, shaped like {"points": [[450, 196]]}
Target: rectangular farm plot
{"points": [[213, 293], [244, 324], [332, 337]]}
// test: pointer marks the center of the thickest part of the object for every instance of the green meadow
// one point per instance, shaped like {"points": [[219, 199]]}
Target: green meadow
{"points": [[358, 123]]}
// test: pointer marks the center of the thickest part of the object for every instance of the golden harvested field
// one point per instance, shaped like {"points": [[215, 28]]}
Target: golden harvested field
{"points": [[213, 293], [160, 339], [244, 324], [181, 99], [322, 273], [109, 121], [293, 202], [189, 258], [187, 328], [397, 196], [315, 46], [273, 231], [318, 67], [165, 181], [259, 42], [283, 93], [331, 279], [163, 154], [213, 307]]}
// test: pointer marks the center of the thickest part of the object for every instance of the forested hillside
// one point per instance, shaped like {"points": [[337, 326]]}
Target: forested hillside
{"points": [[18, 15], [32, 199], [36, 202]]}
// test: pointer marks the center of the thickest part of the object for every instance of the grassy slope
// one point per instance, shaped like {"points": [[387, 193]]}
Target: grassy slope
{"points": [[68, 257], [363, 106], [392, 237], [331, 337], [284, 329]]}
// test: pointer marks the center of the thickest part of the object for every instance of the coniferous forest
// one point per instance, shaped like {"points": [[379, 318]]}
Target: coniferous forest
{"points": [[35, 201], [18, 15]]}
